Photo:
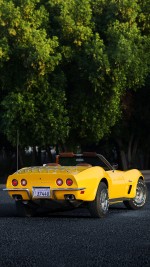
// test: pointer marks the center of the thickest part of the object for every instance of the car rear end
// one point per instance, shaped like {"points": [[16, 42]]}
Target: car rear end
{"points": [[55, 183]]}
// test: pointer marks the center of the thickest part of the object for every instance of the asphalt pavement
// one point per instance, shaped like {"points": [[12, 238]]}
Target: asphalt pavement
{"points": [[73, 238]]}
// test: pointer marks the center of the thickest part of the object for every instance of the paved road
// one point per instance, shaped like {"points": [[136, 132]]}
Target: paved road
{"points": [[74, 238]]}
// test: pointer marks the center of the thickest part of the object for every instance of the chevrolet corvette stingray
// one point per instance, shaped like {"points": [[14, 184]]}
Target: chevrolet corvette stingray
{"points": [[76, 180]]}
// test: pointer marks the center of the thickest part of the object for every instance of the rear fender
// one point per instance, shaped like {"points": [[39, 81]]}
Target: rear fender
{"points": [[90, 179]]}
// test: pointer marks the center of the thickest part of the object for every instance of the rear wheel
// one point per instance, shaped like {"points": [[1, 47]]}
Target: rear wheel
{"points": [[24, 210], [99, 207], [139, 200]]}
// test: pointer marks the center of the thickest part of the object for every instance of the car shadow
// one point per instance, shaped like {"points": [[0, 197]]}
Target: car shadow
{"points": [[9, 210]]}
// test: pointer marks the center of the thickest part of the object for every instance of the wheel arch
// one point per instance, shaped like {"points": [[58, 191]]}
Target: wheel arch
{"points": [[133, 191], [93, 191], [138, 178], [140, 198], [141, 178], [104, 180]]}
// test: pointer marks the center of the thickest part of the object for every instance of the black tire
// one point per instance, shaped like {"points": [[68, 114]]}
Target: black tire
{"points": [[24, 210], [99, 207], [139, 200]]}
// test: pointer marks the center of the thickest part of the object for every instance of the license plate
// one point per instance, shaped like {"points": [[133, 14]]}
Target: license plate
{"points": [[41, 192]]}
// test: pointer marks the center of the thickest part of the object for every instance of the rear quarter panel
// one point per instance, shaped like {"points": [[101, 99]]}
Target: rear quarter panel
{"points": [[90, 179]]}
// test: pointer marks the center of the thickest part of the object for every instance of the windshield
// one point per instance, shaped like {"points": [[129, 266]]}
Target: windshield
{"points": [[70, 159]]}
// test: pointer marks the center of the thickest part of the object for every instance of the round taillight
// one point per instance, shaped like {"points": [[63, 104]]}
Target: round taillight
{"points": [[23, 182], [59, 181], [69, 182], [14, 182]]}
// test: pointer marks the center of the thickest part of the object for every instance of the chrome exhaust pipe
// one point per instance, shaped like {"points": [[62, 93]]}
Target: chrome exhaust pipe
{"points": [[69, 197]]}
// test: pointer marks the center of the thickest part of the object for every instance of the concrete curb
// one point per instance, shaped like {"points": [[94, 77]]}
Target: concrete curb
{"points": [[146, 174]]}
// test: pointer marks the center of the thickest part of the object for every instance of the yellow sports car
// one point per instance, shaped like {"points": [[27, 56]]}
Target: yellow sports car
{"points": [[76, 180]]}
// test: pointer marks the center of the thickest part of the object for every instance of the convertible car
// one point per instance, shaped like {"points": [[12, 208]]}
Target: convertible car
{"points": [[76, 180]]}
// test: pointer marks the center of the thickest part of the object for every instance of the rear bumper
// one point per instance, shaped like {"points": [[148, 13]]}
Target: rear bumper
{"points": [[24, 192], [56, 193]]}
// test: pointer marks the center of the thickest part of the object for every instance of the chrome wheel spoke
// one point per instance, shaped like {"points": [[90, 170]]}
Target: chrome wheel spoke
{"points": [[104, 200], [140, 194]]}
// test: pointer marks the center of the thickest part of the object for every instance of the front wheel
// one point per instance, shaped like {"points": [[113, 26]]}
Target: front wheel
{"points": [[99, 207], [139, 200]]}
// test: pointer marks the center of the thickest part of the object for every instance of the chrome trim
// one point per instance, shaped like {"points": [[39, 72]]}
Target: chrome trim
{"points": [[102, 158], [113, 200], [41, 187], [68, 189], [17, 189], [51, 189]]}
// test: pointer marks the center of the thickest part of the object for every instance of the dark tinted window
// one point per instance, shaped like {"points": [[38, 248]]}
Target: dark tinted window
{"points": [[77, 159]]}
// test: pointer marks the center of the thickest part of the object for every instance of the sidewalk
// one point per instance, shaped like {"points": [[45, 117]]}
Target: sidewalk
{"points": [[3, 180], [146, 174]]}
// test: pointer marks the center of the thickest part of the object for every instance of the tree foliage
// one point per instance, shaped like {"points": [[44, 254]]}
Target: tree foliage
{"points": [[33, 101], [65, 65]]}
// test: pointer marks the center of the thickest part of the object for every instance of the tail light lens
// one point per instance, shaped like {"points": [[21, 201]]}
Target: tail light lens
{"points": [[69, 182], [14, 182], [59, 181], [23, 182]]}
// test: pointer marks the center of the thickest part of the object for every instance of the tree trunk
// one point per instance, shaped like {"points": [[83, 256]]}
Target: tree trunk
{"points": [[132, 151], [122, 154], [21, 163]]}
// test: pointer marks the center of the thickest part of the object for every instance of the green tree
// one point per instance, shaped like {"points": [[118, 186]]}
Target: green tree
{"points": [[66, 64], [33, 101], [104, 55], [131, 133]]}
